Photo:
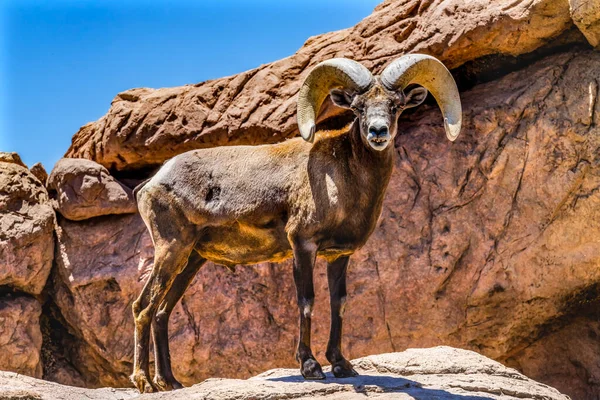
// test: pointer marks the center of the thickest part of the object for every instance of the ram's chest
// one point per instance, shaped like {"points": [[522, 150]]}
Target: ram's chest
{"points": [[350, 221]]}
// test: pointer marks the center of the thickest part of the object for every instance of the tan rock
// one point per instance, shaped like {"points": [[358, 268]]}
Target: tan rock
{"points": [[18, 387], [440, 373], [586, 15], [39, 172], [12, 158], [20, 336], [144, 127], [487, 243], [85, 189], [26, 230]]}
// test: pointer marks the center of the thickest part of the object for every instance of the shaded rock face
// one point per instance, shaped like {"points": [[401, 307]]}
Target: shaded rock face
{"points": [[440, 373], [144, 127], [85, 189], [486, 243], [26, 230], [20, 335], [26, 253]]}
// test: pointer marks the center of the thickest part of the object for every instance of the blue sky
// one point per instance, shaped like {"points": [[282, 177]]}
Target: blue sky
{"points": [[63, 61]]}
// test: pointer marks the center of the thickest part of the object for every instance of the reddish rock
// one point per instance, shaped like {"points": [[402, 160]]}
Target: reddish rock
{"points": [[20, 336], [144, 127], [488, 243], [39, 172], [85, 189], [26, 230]]}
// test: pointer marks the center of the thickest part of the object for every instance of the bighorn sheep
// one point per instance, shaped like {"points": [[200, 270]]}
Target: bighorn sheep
{"points": [[249, 204]]}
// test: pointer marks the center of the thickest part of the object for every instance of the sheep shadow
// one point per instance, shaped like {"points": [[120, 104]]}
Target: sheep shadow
{"points": [[389, 384]]}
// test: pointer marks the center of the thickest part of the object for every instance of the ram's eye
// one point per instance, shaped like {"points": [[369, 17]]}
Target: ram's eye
{"points": [[393, 109]]}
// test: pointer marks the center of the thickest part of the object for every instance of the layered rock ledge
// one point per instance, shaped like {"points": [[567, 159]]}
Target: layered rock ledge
{"points": [[436, 373]]}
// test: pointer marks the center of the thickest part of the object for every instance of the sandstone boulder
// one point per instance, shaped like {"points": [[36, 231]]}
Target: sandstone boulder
{"points": [[85, 189], [26, 229], [39, 172], [12, 158], [144, 127], [20, 336], [436, 373], [487, 243], [586, 15]]}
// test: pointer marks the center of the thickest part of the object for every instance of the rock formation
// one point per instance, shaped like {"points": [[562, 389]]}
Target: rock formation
{"points": [[26, 253], [440, 373], [144, 127], [84, 189], [488, 243]]}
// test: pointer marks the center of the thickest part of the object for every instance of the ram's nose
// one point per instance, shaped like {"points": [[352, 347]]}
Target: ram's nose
{"points": [[377, 131]]}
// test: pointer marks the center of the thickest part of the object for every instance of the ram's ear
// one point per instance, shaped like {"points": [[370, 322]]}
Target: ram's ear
{"points": [[415, 97], [341, 98]]}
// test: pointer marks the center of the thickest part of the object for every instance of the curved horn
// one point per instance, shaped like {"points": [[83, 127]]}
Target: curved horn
{"points": [[327, 75], [430, 73]]}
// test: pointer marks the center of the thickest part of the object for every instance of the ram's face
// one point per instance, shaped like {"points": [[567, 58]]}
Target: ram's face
{"points": [[377, 111]]}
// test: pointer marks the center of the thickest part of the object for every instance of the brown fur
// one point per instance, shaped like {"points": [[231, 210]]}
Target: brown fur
{"points": [[250, 204]]}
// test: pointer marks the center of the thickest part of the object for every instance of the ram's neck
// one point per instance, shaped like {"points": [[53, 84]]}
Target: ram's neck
{"points": [[372, 167], [371, 170]]}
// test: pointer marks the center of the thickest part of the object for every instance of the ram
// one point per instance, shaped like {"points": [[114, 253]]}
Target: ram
{"points": [[250, 204]]}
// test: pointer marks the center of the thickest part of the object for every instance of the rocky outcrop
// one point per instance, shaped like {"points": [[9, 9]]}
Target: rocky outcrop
{"points": [[26, 230], [144, 127], [26, 253], [85, 189], [440, 373], [20, 336], [487, 243]]}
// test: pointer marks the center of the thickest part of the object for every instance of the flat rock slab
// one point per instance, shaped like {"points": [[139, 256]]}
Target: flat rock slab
{"points": [[435, 373]]}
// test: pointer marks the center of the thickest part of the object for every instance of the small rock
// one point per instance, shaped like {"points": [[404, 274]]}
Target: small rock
{"points": [[586, 15], [84, 189], [39, 172]]}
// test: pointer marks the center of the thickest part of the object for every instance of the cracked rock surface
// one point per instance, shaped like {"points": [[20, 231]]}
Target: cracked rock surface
{"points": [[436, 373], [26, 229]]}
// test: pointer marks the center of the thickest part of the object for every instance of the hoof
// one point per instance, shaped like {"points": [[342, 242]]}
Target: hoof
{"points": [[343, 370], [164, 384], [311, 370], [142, 383]]}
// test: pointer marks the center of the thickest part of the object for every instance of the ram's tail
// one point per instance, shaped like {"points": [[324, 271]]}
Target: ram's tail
{"points": [[138, 187]]}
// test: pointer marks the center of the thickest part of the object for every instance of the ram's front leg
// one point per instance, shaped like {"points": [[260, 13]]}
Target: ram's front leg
{"points": [[336, 278], [304, 261]]}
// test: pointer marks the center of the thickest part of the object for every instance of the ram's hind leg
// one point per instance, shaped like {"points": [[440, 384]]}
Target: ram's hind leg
{"points": [[164, 378], [173, 243]]}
